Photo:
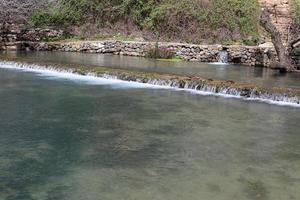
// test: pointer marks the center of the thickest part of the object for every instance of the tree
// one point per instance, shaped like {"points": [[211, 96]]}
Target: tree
{"points": [[17, 11], [284, 62]]}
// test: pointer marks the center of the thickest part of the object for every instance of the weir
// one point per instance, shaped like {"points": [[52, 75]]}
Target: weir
{"points": [[196, 84]]}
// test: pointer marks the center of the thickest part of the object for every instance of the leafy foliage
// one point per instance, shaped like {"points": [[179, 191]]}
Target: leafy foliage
{"points": [[188, 19], [296, 10], [160, 53], [236, 14], [295, 28]]}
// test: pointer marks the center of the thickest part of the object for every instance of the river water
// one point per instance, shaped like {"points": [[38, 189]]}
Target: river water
{"points": [[65, 138], [260, 76]]}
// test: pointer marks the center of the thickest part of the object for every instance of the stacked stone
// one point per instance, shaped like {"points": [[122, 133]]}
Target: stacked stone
{"points": [[248, 55], [39, 34]]}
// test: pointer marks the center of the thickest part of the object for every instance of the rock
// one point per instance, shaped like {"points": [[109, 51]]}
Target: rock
{"points": [[197, 53], [266, 45]]}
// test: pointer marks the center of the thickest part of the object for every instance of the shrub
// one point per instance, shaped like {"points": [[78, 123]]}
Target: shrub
{"points": [[295, 28], [160, 53], [251, 41], [296, 10], [40, 18], [68, 12], [190, 20], [236, 14], [208, 19]]}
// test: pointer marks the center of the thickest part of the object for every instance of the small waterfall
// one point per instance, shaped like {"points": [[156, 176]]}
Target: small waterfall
{"points": [[223, 57], [201, 85]]}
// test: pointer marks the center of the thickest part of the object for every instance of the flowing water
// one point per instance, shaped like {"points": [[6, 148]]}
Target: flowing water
{"points": [[260, 76], [223, 57], [66, 138]]}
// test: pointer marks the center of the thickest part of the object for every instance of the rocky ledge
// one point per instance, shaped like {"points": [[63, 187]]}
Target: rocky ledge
{"points": [[194, 83]]}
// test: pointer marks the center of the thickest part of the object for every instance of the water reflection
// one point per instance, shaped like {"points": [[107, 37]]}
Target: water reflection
{"points": [[258, 72]]}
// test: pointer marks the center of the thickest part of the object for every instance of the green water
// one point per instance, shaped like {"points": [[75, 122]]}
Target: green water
{"points": [[63, 139], [260, 76]]}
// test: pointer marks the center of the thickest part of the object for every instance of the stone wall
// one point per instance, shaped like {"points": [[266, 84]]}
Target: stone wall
{"points": [[9, 32], [11, 36], [38, 34], [247, 55]]}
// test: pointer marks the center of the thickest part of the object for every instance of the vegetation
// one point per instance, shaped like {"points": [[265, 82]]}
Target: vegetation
{"points": [[286, 60], [18, 11], [160, 53], [296, 19], [296, 11], [185, 20]]}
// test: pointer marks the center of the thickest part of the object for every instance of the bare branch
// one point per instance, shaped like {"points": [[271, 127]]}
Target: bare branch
{"points": [[12, 11]]}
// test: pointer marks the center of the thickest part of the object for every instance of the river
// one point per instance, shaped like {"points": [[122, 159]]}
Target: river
{"points": [[68, 138], [260, 76]]}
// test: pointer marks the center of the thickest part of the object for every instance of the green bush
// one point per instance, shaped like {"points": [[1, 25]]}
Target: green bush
{"points": [[251, 40], [296, 11], [186, 19], [240, 15], [176, 17], [69, 12], [160, 53], [40, 18]]}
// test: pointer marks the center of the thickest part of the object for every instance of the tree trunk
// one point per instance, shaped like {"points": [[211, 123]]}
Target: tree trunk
{"points": [[285, 62]]}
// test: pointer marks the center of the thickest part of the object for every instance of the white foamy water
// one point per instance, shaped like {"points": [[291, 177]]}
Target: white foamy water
{"points": [[217, 63], [56, 73], [91, 79]]}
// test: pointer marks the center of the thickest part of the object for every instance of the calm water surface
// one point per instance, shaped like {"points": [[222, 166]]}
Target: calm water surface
{"points": [[260, 76], [68, 140]]}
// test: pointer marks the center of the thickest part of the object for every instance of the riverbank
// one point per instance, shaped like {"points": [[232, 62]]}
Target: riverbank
{"points": [[229, 88], [35, 39]]}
